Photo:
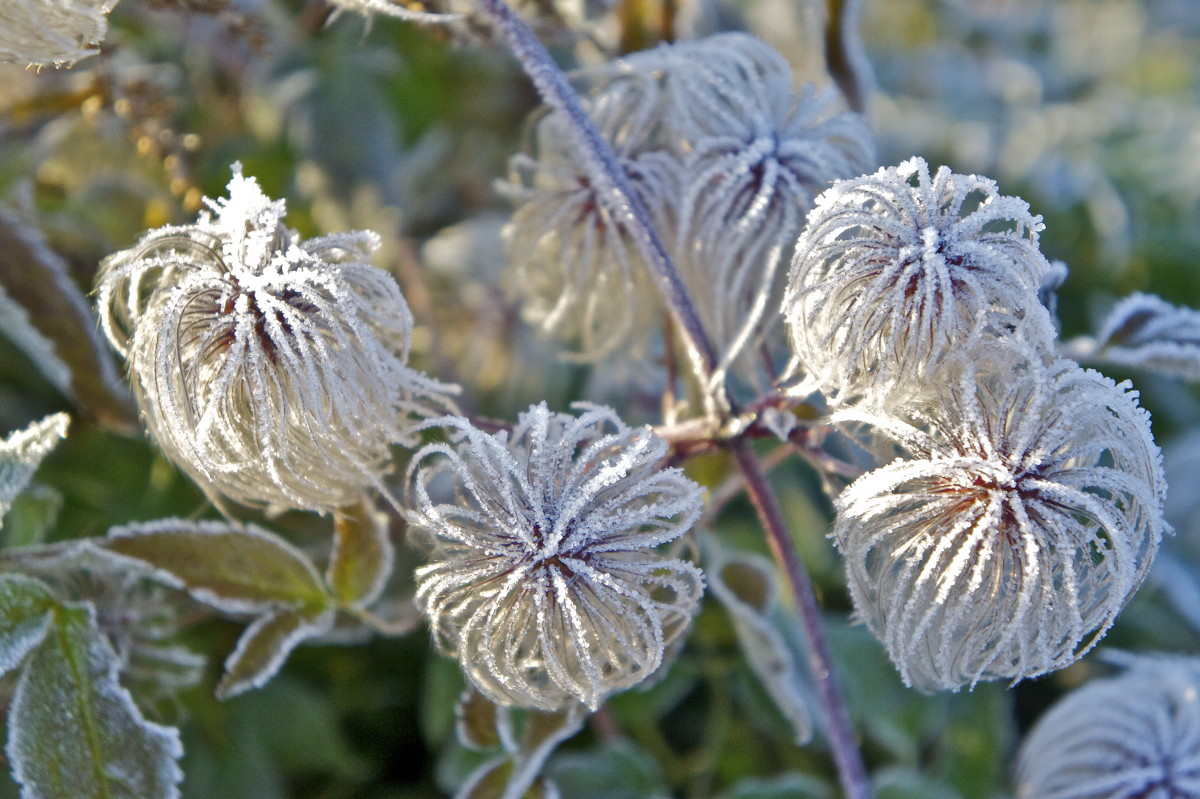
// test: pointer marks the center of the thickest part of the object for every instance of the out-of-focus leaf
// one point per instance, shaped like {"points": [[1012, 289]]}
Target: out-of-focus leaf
{"points": [[904, 783], [35, 278], [16, 326], [31, 516], [236, 569], [476, 719], [74, 731], [362, 557], [265, 645], [745, 585], [494, 780], [26, 607], [518, 776], [301, 730], [614, 770], [788, 786], [1146, 332], [21, 453]]}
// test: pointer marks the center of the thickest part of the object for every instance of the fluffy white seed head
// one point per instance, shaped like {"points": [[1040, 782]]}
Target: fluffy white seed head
{"points": [[1134, 736], [272, 370], [52, 32], [543, 577], [1024, 515], [896, 269]]}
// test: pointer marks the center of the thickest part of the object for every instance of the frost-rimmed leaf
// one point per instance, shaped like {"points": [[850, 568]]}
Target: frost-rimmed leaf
{"points": [[74, 731], [362, 557], [22, 452], [234, 568], [38, 280], [265, 645], [26, 606], [16, 325], [1146, 332], [745, 585], [516, 775]]}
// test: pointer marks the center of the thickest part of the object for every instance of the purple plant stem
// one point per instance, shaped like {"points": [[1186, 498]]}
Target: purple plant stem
{"points": [[613, 187], [846, 755]]}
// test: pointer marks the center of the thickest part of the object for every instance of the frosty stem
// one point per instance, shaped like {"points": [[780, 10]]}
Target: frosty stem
{"points": [[611, 184], [846, 755]]}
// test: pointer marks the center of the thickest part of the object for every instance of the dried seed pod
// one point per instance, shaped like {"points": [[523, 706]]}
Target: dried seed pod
{"points": [[898, 268], [1132, 736], [272, 370], [543, 579], [1026, 513]]}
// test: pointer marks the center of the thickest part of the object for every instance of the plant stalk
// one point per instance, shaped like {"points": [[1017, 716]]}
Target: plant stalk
{"points": [[846, 755], [612, 186]]}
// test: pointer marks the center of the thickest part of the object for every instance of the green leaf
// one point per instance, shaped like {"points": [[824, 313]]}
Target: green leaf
{"points": [[235, 569], [74, 731], [477, 722], [21, 453], [38, 280], [787, 786], [265, 645], [26, 607], [32, 515], [614, 770], [362, 557]]}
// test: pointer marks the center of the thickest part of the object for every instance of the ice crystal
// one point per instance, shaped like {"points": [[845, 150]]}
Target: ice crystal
{"points": [[1134, 736], [1025, 515], [52, 32], [543, 578], [898, 268], [273, 370]]}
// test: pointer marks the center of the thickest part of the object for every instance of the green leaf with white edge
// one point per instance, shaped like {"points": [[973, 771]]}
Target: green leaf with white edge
{"points": [[74, 731], [22, 452], [362, 557], [477, 722], [745, 586], [26, 608], [786, 786], [616, 769], [265, 645], [234, 568]]}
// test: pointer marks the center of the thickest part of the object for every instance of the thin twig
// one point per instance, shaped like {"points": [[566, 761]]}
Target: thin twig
{"points": [[846, 754], [612, 186], [844, 53]]}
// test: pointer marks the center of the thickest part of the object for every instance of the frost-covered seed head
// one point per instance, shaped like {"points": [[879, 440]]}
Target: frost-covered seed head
{"points": [[273, 370], [896, 269], [1134, 736], [52, 32], [577, 272], [543, 578], [1024, 517], [756, 155]]}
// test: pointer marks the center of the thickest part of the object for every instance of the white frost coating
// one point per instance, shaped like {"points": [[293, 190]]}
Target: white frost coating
{"points": [[52, 32], [727, 158], [74, 730], [896, 269], [1134, 736], [543, 578], [223, 538], [576, 269], [388, 8], [242, 675], [1146, 332], [272, 370], [1026, 513], [16, 326], [756, 154], [26, 607], [22, 452]]}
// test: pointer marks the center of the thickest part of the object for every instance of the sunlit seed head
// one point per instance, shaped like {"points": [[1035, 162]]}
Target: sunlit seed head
{"points": [[543, 579], [273, 370], [1134, 736], [896, 269], [1023, 516], [52, 32]]}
